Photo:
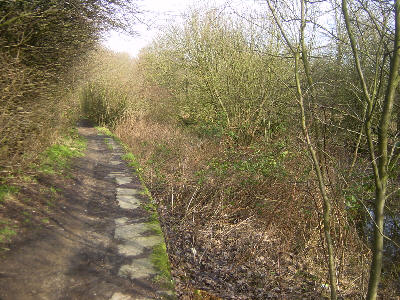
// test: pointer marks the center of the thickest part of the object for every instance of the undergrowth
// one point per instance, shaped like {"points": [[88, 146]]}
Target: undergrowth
{"points": [[103, 104]]}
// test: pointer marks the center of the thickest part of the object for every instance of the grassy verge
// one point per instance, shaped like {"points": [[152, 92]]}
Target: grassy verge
{"points": [[105, 130], [56, 158], [160, 259], [24, 201]]}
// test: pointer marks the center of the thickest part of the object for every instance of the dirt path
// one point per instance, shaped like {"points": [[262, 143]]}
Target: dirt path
{"points": [[97, 246]]}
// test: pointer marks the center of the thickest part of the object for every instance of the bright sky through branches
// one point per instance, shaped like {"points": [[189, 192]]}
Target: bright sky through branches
{"points": [[157, 14]]}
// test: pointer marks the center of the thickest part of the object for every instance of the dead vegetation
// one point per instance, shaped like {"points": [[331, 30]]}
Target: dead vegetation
{"points": [[232, 239]]}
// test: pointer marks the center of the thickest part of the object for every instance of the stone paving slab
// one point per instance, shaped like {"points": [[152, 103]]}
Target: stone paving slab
{"points": [[138, 269], [127, 191], [128, 202], [135, 239], [123, 180]]}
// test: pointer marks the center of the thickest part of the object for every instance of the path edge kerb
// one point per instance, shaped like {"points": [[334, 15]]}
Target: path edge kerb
{"points": [[165, 280]]}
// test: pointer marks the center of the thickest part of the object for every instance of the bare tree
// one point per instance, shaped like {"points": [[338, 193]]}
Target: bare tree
{"points": [[300, 51], [379, 156]]}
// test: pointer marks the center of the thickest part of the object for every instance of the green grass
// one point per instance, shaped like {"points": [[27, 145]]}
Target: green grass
{"points": [[27, 217], [109, 145], [154, 224], [6, 233], [104, 130], [159, 258], [57, 157], [6, 190], [133, 162], [28, 179]]}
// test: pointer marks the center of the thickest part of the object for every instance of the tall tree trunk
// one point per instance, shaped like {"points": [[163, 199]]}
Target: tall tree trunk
{"points": [[380, 167], [316, 159], [376, 265]]}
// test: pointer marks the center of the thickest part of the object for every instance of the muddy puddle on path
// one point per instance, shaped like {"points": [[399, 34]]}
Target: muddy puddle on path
{"points": [[98, 245]]}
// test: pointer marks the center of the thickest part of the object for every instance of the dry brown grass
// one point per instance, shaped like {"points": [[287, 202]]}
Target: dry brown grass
{"points": [[286, 232]]}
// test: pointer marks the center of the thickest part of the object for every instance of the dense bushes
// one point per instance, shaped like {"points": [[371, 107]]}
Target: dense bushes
{"points": [[218, 79], [42, 43], [103, 105]]}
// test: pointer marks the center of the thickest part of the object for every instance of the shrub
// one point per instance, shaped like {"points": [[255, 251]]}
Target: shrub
{"points": [[102, 104]]}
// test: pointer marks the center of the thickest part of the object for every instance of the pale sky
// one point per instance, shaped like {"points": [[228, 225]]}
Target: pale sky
{"points": [[158, 14]]}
